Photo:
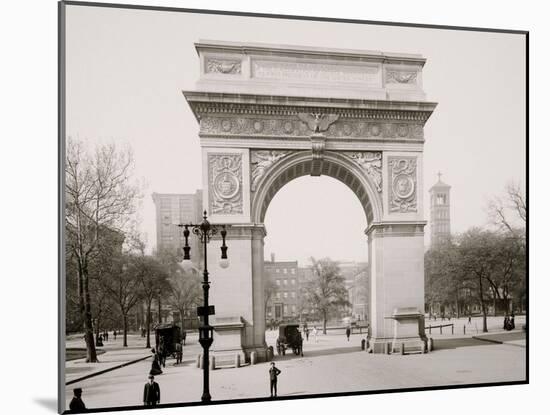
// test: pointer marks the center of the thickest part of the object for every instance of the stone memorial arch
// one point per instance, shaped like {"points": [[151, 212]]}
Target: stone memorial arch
{"points": [[269, 114]]}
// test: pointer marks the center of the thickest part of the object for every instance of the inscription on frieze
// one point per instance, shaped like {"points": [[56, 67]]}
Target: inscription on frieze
{"points": [[225, 179], [315, 72], [402, 184]]}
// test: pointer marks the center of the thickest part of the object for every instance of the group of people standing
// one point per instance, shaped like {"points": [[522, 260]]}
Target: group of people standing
{"points": [[104, 337], [509, 323]]}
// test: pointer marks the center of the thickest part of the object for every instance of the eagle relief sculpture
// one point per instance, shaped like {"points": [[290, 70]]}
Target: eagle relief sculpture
{"points": [[318, 122]]}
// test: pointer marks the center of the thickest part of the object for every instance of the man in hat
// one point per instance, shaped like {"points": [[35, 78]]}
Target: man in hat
{"points": [[151, 392], [273, 373], [77, 404]]}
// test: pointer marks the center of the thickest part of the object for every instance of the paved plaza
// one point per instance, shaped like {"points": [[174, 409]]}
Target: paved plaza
{"points": [[330, 365]]}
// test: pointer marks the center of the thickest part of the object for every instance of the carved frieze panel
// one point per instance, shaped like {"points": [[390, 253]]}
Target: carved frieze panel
{"points": [[401, 77], [402, 186], [225, 183], [371, 163], [292, 126], [260, 163], [223, 66]]}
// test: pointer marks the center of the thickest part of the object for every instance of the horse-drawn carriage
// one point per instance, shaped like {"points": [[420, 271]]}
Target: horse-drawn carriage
{"points": [[168, 335], [290, 338]]}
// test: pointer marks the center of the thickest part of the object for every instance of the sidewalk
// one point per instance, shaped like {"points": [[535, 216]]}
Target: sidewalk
{"points": [[114, 356]]}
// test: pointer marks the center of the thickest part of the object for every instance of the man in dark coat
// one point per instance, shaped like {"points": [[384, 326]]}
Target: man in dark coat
{"points": [[77, 404], [273, 373], [348, 332], [151, 392]]}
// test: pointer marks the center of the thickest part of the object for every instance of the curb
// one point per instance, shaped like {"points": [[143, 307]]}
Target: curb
{"points": [[91, 375], [487, 340]]}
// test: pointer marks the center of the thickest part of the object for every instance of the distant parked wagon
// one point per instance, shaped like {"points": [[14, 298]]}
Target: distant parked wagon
{"points": [[290, 338]]}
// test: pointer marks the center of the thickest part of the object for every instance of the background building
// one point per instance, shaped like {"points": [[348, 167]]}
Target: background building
{"points": [[440, 211], [172, 209], [284, 279]]}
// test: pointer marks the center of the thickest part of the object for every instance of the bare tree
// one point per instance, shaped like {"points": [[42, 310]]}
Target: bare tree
{"points": [[326, 290], [100, 199], [186, 292], [125, 289], [269, 290], [509, 213]]}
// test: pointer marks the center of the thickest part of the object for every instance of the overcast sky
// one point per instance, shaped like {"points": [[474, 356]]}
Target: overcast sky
{"points": [[126, 70]]}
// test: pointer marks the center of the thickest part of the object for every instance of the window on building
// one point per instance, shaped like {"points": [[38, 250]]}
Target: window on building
{"points": [[285, 282], [441, 199], [293, 271], [284, 270], [293, 281], [285, 309], [278, 282], [277, 270], [285, 294], [293, 307], [293, 294], [278, 295]]}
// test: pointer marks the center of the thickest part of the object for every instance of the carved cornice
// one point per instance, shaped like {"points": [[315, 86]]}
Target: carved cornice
{"points": [[395, 229], [204, 109]]}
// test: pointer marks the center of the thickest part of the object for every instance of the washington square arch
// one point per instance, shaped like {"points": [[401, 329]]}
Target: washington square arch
{"points": [[269, 114]]}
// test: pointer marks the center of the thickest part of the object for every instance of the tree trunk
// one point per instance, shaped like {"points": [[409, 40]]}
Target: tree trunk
{"points": [[160, 310], [125, 330], [91, 355], [324, 322], [148, 325], [483, 307]]}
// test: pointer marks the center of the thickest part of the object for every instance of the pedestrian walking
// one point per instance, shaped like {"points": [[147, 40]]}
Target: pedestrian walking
{"points": [[114, 334], [470, 319], [179, 352], [348, 332], [106, 336], [273, 373], [77, 404], [162, 353], [314, 332], [151, 392], [184, 336], [155, 365]]}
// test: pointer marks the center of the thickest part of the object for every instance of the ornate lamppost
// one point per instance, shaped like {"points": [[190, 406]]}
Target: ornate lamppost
{"points": [[205, 230]]}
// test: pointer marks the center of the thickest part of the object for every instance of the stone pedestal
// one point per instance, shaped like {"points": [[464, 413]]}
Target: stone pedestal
{"points": [[408, 331], [227, 345]]}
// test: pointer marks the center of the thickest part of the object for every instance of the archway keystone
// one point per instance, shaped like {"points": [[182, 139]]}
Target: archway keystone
{"points": [[269, 114]]}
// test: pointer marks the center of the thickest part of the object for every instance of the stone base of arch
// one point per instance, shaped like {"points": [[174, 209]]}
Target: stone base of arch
{"points": [[238, 291], [396, 262]]}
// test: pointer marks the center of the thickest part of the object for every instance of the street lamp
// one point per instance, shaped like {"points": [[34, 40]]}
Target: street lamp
{"points": [[204, 231]]}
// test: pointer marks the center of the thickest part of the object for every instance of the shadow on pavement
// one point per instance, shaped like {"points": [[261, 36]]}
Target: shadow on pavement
{"points": [[328, 352], [444, 344]]}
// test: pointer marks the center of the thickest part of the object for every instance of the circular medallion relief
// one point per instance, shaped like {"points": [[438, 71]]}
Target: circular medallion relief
{"points": [[375, 129], [403, 186], [227, 185], [402, 130], [258, 126], [226, 125], [347, 129], [288, 127]]}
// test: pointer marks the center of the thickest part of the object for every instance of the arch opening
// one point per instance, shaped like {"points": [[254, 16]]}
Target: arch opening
{"points": [[335, 165]]}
